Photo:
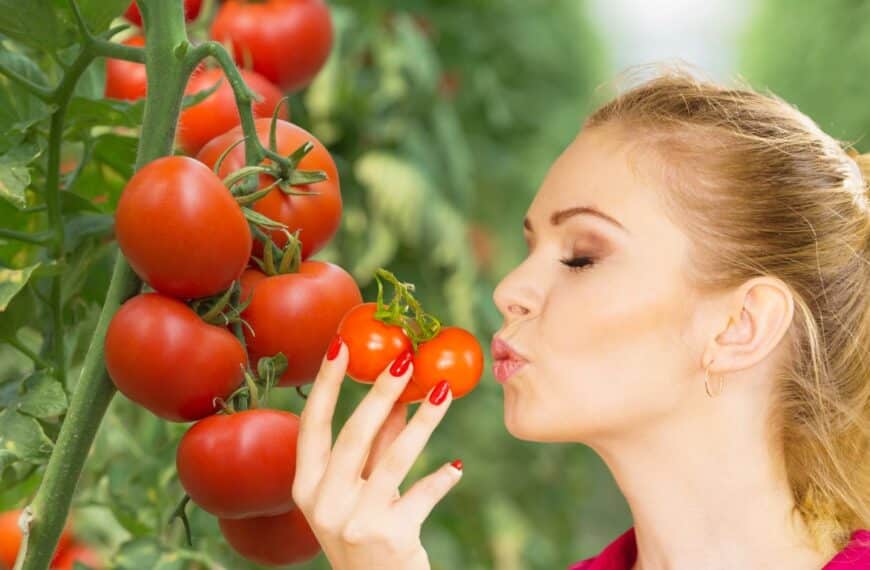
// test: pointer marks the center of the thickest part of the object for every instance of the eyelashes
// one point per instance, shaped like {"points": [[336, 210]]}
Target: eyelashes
{"points": [[578, 263]]}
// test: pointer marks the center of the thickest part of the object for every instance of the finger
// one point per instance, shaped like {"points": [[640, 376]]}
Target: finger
{"points": [[355, 439], [417, 503], [389, 473], [315, 422], [393, 426]]}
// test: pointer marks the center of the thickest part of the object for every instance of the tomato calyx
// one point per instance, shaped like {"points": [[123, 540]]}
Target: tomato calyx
{"points": [[289, 258], [420, 327], [219, 310]]}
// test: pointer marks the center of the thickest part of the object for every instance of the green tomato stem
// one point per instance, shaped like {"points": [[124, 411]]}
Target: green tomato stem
{"points": [[47, 513]]}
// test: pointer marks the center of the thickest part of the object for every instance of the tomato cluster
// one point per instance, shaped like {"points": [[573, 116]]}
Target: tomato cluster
{"points": [[376, 333], [235, 304], [68, 552]]}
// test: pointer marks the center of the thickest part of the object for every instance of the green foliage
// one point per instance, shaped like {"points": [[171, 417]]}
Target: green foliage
{"points": [[814, 55]]}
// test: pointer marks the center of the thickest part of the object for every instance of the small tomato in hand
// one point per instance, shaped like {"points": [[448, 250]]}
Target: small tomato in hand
{"points": [[162, 356], [274, 541], [242, 464], [372, 344], [453, 355]]}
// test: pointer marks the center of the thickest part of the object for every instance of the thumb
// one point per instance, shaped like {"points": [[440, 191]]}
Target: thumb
{"points": [[390, 430]]}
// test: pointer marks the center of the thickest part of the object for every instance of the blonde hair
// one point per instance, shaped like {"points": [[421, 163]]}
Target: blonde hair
{"points": [[763, 191]]}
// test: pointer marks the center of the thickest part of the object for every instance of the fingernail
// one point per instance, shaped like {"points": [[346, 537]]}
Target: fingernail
{"points": [[400, 365], [439, 392], [334, 347], [457, 464]]}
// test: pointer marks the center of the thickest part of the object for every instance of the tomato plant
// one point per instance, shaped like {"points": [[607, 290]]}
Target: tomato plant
{"points": [[287, 41], [297, 315], [191, 11], [126, 79], [161, 355], [275, 541], [372, 344], [318, 216], [217, 113], [202, 243], [240, 465]]}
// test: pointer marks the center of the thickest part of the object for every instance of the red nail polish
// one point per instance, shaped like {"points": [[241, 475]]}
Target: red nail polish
{"points": [[400, 365], [334, 347], [457, 464], [439, 392]]}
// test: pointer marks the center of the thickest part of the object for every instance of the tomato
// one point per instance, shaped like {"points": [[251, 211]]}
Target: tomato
{"points": [[242, 464], [298, 314], [453, 355], [77, 553], [126, 79], [372, 344], [191, 11], [318, 216], [161, 355], [274, 541], [11, 536], [181, 229], [217, 113], [287, 41]]}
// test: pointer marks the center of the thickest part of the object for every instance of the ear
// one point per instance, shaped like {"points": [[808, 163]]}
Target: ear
{"points": [[763, 311]]}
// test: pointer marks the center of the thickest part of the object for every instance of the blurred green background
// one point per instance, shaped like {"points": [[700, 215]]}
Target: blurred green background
{"points": [[443, 116]]}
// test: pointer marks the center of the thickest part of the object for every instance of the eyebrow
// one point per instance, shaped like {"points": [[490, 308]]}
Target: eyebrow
{"points": [[560, 216]]}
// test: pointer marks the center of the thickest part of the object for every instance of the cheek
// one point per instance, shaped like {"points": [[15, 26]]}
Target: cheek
{"points": [[609, 352]]}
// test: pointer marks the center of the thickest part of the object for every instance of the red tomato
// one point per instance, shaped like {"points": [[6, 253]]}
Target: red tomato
{"points": [[217, 113], [298, 314], [10, 538], [372, 344], [453, 355], [288, 41], [126, 79], [191, 11], [77, 553], [161, 355], [240, 465], [318, 217], [181, 229], [274, 541]]}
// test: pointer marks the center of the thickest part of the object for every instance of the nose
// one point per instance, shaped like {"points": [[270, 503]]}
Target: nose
{"points": [[516, 297]]}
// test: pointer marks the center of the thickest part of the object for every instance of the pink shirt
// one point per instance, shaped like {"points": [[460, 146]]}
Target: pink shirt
{"points": [[622, 552]]}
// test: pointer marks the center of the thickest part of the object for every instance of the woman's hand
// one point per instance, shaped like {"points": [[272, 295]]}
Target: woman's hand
{"points": [[349, 493]]}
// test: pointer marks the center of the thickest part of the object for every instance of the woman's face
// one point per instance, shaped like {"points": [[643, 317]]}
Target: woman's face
{"points": [[611, 345]]}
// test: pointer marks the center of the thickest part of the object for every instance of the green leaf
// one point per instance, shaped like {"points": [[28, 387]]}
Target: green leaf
{"points": [[70, 203], [117, 151], [15, 173], [100, 13], [44, 397], [86, 225], [33, 23], [12, 281], [21, 311], [201, 95], [84, 114], [23, 436]]}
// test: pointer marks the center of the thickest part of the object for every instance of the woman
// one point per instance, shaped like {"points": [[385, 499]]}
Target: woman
{"points": [[694, 307]]}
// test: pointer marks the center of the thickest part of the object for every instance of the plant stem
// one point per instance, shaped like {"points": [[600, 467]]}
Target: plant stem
{"points": [[48, 512], [40, 238], [16, 343]]}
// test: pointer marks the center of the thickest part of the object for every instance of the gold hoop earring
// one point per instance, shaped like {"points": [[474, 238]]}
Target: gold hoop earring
{"points": [[719, 384]]}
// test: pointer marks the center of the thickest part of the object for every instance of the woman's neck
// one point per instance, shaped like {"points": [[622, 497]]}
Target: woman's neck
{"points": [[707, 491]]}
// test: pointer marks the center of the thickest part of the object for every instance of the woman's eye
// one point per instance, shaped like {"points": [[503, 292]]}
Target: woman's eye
{"points": [[578, 263]]}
